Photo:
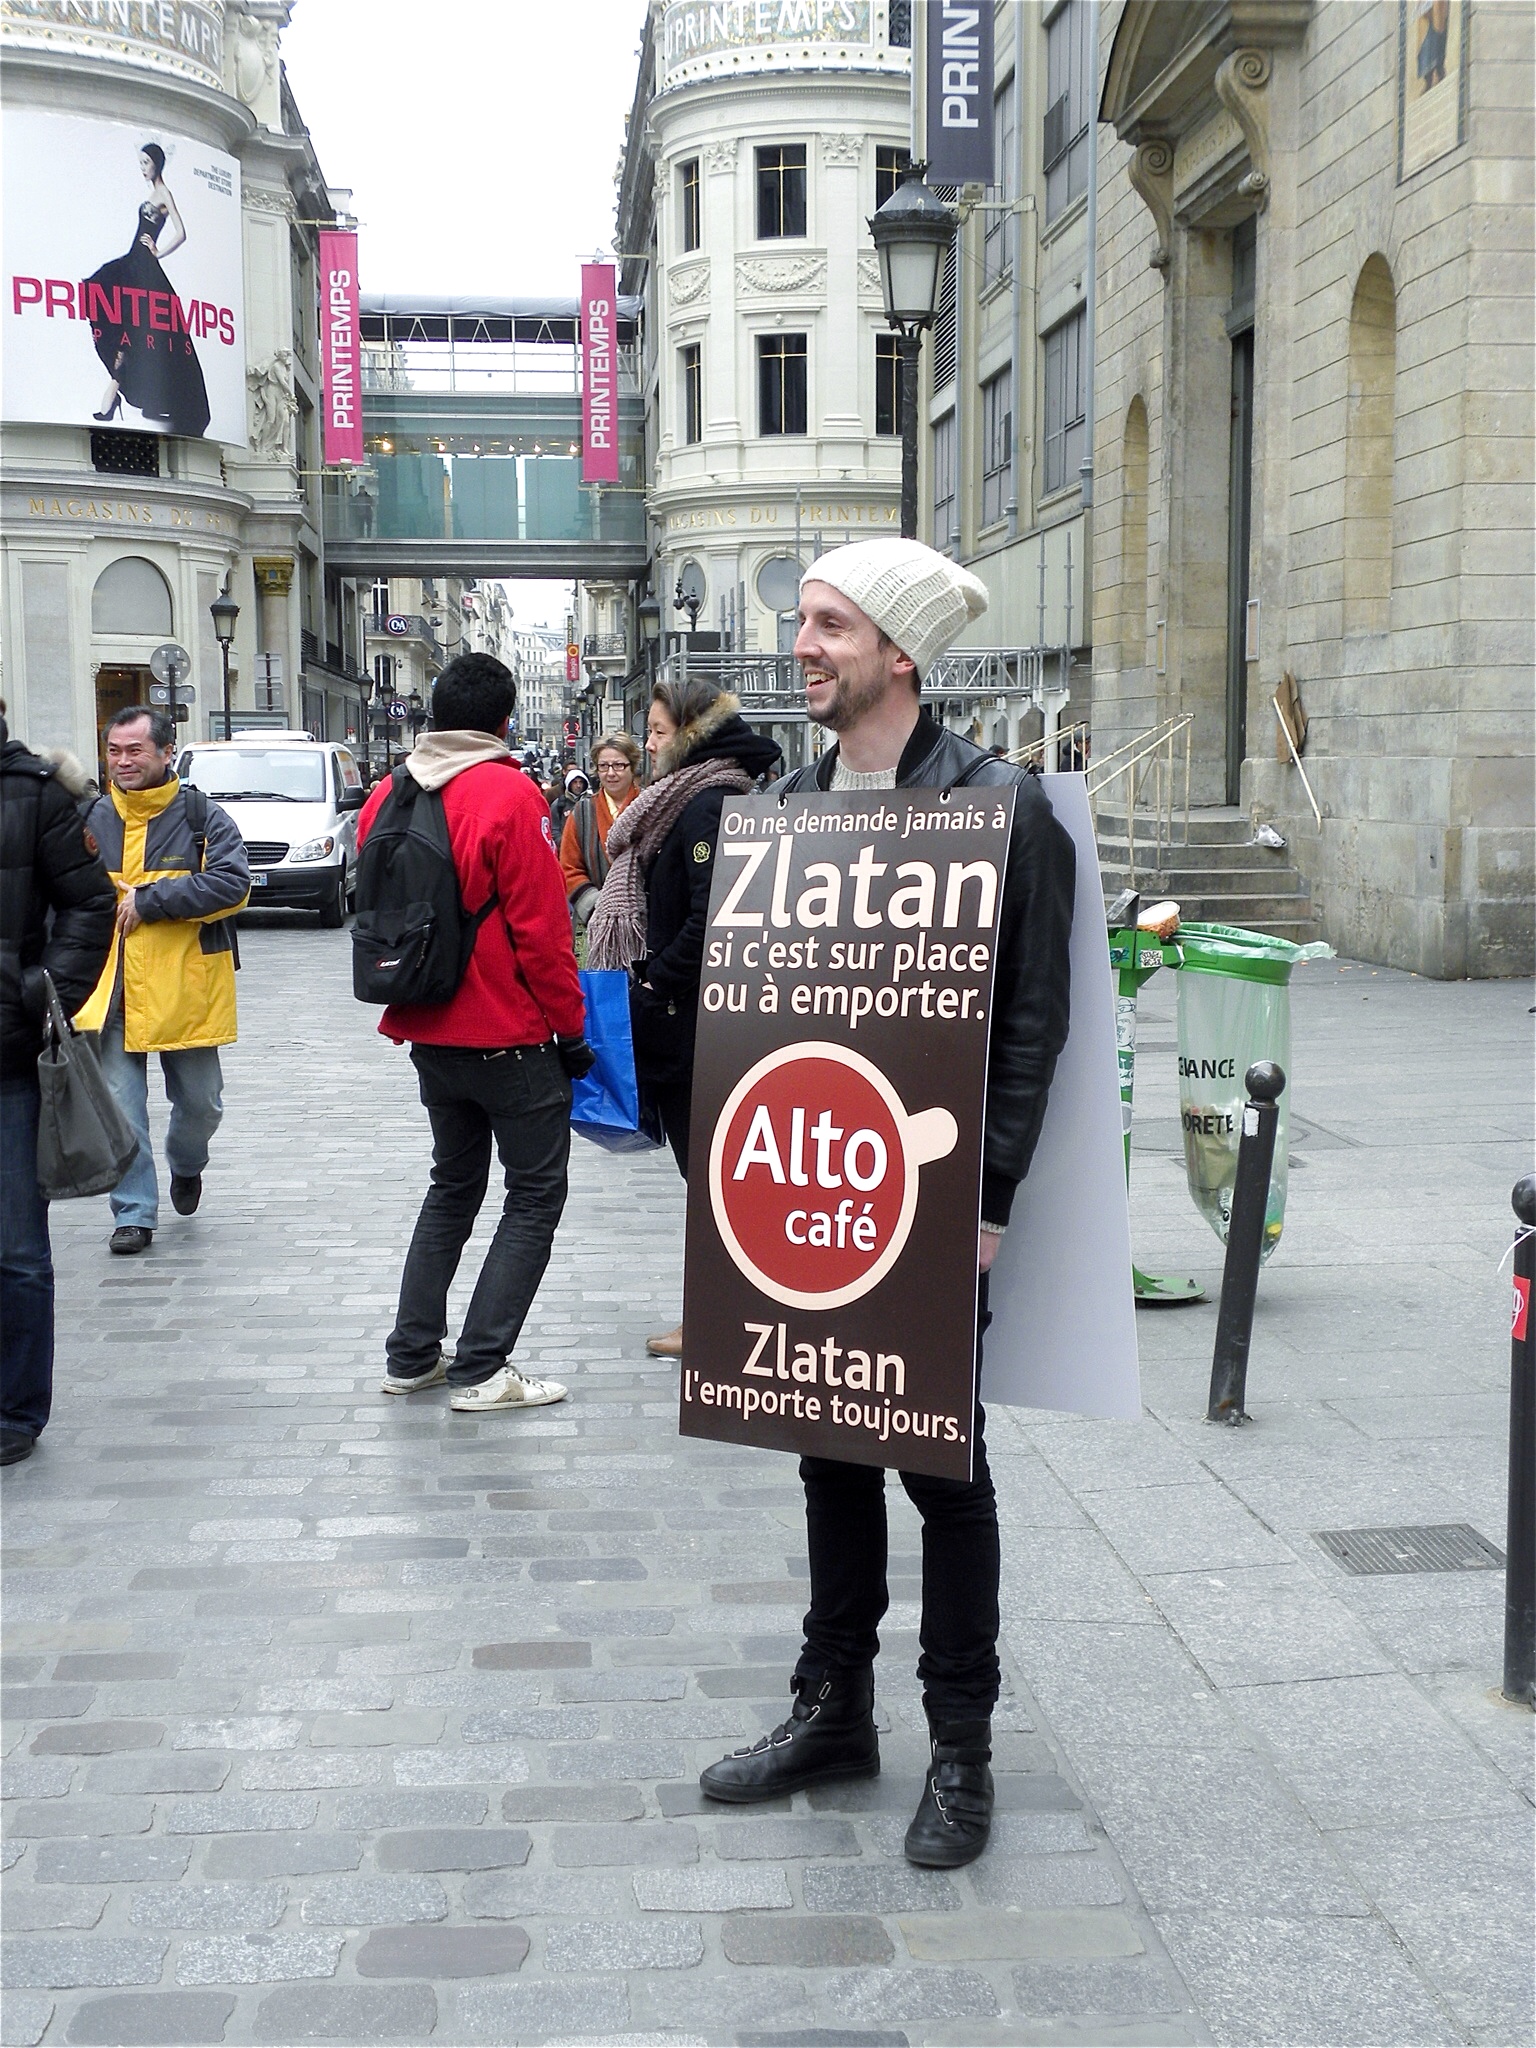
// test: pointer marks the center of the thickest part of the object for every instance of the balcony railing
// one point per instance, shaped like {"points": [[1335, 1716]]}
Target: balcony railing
{"points": [[605, 647], [403, 626], [772, 684]]}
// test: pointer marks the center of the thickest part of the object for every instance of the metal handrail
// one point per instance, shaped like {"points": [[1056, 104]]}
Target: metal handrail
{"points": [[1150, 755], [1073, 737]]}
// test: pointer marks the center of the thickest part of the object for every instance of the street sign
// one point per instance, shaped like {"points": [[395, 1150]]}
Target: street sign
{"points": [[170, 663], [173, 693], [839, 1084]]}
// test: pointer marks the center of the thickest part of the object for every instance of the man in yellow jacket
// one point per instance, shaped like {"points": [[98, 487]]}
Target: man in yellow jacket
{"points": [[179, 866]]}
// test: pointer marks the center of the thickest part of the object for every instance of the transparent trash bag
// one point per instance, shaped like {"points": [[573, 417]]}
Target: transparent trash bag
{"points": [[1234, 1008]]}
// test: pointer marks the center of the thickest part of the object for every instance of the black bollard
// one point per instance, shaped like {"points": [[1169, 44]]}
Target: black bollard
{"points": [[1520, 1544], [1265, 1083]]}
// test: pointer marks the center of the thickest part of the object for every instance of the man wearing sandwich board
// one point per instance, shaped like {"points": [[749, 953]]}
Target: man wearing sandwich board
{"points": [[873, 617]]}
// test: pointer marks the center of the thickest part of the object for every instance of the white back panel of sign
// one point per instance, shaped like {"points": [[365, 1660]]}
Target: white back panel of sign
{"points": [[1063, 1329]]}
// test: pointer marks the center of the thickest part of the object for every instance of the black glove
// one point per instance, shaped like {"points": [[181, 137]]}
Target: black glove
{"points": [[576, 1056]]}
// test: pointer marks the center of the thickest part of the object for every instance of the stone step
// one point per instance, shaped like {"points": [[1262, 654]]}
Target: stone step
{"points": [[1206, 828], [1168, 881], [1203, 860]]}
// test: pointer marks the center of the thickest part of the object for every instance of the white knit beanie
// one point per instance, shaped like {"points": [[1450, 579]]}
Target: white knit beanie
{"points": [[917, 597]]}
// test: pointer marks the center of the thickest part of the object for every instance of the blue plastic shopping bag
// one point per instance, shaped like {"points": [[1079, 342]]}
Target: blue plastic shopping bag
{"points": [[607, 1105]]}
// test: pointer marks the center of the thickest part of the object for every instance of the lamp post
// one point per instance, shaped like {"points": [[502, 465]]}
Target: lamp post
{"points": [[911, 233], [383, 696], [225, 612], [687, 601], [648, 616]]}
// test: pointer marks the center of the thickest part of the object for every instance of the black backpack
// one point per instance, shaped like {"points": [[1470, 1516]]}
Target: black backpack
{"points": [[412, 937]]}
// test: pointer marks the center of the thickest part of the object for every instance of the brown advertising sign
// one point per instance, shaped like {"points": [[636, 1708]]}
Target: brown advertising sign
{"points": [[838, 1090]]}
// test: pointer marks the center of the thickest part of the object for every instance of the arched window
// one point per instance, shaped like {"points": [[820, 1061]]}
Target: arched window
{"points": [[131, 596], [1133, 540], [1368, 451]]}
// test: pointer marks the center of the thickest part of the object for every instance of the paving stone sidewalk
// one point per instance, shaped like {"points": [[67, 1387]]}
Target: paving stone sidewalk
{"points": [[331, 1718], [1311, 1777], [336, 1718]]}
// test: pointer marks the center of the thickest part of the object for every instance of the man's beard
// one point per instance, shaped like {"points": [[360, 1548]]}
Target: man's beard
{"points": [[850, 701]]}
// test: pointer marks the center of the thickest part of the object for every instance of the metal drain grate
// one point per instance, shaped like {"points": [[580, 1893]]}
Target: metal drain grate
{"points": [[1447, 1547]]}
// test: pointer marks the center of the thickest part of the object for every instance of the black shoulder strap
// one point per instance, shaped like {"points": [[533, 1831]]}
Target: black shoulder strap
{"points": [[197, 819], [983, 760]]}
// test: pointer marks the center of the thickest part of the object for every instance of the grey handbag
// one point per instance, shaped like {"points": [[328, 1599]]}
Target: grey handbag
{"points": [[84, 1143]]}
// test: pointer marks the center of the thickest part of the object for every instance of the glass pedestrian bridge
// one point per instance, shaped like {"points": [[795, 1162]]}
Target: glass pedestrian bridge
{"points": [[472, 439]]}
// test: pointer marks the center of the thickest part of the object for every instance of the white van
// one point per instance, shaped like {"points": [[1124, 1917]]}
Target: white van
{"points": [[295, 801]]}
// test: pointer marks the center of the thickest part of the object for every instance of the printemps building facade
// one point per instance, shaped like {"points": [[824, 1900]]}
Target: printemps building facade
{"points": [[117, 536], [760, 140]]}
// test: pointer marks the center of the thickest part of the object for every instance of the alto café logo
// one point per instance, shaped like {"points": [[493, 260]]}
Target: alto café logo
{"points": [[813, 1174], [122, 305]]}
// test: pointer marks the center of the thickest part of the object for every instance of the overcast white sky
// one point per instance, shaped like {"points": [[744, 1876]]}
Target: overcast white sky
{"points": [[480, 139]]}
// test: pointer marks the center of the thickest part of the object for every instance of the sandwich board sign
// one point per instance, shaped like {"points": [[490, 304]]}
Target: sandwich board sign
{"points": [[836, 1133]]}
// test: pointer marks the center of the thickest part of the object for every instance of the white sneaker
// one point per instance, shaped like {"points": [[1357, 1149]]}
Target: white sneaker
{"points": [[406, 1383], [506, 1389]]}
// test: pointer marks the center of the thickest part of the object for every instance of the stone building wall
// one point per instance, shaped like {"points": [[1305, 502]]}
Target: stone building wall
{"points": [[1391, 546]]}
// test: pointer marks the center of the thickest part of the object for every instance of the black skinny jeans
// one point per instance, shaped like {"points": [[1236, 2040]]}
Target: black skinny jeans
{"points": [[521, 1099], [845, 1523]]}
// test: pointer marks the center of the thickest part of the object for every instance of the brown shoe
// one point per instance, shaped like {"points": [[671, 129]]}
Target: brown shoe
{"points": [[668, 1346]]}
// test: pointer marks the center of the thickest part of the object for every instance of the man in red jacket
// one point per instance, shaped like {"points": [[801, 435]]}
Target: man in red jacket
{"points": [[495, 1061]]}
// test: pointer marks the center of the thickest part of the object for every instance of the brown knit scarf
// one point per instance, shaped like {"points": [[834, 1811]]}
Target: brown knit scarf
{"points": [[616, 935]]}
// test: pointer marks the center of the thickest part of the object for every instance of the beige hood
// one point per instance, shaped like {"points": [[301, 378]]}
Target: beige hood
{"points": [[438, 756]]}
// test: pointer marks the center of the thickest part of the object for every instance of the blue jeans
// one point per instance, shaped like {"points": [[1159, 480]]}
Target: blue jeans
{"points": [[194, 1082], [26, 1264]]}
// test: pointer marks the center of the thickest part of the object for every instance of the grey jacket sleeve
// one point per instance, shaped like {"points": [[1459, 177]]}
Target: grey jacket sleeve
{"points": [[219, 890]]}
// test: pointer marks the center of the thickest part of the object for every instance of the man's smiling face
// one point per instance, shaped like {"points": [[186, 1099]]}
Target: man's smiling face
{"points": [[848, 663]]}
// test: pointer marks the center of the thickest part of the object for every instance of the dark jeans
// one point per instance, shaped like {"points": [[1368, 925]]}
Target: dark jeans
{"points": [[26, 1264], [845, 1523], [522, 1099]]}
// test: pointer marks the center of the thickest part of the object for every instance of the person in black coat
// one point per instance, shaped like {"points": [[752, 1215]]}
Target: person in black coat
{"points": [[57, 908], [652, 912]]}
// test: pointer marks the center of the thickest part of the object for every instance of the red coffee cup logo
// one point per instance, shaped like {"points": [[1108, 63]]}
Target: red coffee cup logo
{"points": [[813, 1174]]}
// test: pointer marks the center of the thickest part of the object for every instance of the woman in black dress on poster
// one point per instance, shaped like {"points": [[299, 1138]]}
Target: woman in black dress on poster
{"points": [[154, 368]]}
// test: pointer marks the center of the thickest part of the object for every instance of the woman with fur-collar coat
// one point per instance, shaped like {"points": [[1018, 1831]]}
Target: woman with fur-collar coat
{"points": [[650, 918]]}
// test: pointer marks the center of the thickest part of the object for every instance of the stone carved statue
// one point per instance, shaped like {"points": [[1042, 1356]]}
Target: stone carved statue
{"points": [[273, 405]]}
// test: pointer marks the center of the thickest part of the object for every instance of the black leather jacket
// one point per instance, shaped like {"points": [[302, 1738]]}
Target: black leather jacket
{"points": [[47, 864], [1030, 1005]]}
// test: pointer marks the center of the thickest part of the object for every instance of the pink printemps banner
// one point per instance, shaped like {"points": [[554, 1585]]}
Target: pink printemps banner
{"points": [[599, 374], [340, 351]]}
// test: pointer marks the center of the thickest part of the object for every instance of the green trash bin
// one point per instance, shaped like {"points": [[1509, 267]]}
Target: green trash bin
{"points": [[1234, 1008]]}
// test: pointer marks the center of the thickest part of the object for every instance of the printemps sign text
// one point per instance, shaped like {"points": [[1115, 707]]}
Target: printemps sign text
{"points": [[839, 1087], [123, 293]]}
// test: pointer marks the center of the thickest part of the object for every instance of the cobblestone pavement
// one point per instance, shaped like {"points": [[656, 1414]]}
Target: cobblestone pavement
{"points": [[336, 1718]]}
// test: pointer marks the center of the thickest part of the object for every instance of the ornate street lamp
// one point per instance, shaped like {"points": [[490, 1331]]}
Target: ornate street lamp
{"points": [[225, 612], [911, 231]]}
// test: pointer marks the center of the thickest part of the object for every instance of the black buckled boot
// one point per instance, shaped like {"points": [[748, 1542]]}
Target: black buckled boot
{"points": [[954, 1815], [830, 1733]]}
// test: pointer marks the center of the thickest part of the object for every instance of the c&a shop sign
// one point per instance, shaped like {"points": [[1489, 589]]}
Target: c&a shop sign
{"points": [[839, 1087]]}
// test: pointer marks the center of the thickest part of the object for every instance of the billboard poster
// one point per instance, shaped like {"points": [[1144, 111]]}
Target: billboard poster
{"points": [[839, 1087], [958, 91], [123, 295], [599, 374], [1431, 81], [340, 349]]}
